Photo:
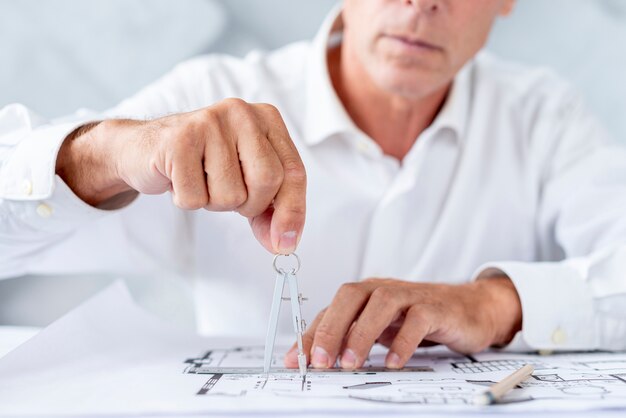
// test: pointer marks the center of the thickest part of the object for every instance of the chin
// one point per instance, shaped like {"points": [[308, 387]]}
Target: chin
{"points": [[408, 83]]}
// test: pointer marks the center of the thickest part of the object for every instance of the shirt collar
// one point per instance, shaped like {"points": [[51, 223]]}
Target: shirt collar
{"points": [[326, 115], [455, 111]]}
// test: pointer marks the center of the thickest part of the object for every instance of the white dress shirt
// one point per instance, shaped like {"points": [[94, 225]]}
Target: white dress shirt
{"points": [[513, 174]]}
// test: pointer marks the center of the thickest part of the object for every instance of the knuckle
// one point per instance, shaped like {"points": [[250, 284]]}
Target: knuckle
{"points": [[240, 112], [190, 203], [294, 169], [268, 108], [234, 103], [194, 204], [404, 343], [250, 210], [325, 333], [417, 313], [237, 198], [227, 172], [359, 335], [350, 290], [207, 119], [321, 314], [384, 295], [293, 213], [229, 201], [267, 178]]}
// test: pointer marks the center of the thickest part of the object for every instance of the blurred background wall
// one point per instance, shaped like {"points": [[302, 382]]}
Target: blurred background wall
{"points": [[60, 55]]}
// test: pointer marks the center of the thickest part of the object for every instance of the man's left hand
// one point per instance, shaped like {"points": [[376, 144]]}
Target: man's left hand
{"points": [[401, 315]]}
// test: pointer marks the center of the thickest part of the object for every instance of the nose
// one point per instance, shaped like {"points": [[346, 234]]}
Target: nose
{"points": [[424, 6]]}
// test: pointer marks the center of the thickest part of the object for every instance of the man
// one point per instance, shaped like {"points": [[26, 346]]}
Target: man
{"points": [[461, 200]]}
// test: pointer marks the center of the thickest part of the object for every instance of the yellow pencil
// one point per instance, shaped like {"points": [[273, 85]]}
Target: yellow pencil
{"points": [[498, 390]]}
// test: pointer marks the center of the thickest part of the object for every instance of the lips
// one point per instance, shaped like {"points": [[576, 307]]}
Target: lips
{"points": [[414, 42]]}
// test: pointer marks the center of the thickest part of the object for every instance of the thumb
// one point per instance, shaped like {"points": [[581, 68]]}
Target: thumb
{"points": [[276, 238]]}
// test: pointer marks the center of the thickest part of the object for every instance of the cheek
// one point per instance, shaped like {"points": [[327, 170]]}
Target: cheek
{"points": [[470, 38], [362, 20], [472, 23], [360, 45]]}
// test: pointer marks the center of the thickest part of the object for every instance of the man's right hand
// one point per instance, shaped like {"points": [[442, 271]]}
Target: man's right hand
{"points": [[232, 156]]}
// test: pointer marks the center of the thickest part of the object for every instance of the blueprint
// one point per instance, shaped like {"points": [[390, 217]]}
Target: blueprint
{"points": [[109, 357], [433, 377]]}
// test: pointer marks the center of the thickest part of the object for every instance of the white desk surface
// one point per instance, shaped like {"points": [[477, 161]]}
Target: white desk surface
{"points": [[11, 337]]}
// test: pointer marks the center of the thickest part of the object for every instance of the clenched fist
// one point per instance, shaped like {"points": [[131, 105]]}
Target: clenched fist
{"points": [[232, 156]]}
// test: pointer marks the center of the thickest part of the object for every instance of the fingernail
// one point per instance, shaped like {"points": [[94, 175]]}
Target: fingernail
{"points": [[319, 360], [287, 242], [392, 361], [348, 359]]}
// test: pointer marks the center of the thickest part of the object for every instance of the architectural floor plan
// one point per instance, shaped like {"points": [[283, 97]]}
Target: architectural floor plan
{"points": [[433, 376], [123, 361]]}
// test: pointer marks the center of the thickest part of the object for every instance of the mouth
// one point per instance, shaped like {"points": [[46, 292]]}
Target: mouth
{"points": [[413, 44]]}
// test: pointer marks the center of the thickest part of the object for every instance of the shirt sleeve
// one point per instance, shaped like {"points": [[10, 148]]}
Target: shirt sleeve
{"points": [[577, 299], [37, 208]]}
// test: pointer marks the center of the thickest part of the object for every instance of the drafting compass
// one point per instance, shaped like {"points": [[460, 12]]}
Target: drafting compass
{"points": [[289, 276]]}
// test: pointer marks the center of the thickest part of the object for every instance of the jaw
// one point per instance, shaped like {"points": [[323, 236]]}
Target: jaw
{"points": [[411, 82]]}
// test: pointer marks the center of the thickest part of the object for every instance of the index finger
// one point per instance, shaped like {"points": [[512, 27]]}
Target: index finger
{"points": [[334, 326], [291, 357], [289, 204]]}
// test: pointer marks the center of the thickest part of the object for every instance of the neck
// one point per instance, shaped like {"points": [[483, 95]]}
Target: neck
{"points": [[394, 122]]}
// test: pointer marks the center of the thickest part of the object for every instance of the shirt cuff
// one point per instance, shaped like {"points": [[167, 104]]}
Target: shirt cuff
{"points": [[557, 305], [61, 212], [29, 172], [30, 191]]}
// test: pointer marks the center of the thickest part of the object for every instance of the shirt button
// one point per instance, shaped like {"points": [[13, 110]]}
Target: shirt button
{"points": [[559, 336], [362, 147], [44, 210], [27, 187]]}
